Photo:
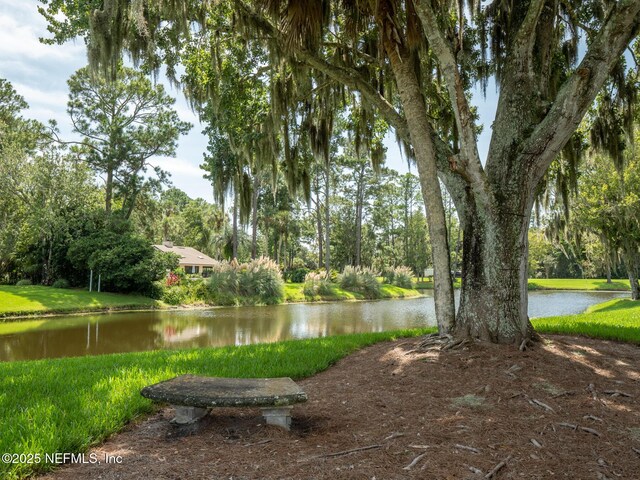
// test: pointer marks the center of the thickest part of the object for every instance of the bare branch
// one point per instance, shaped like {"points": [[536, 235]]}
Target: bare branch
{"points": [[469, 164]]}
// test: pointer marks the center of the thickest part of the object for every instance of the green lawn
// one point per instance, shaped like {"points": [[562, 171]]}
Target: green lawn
{"points": [[617, 319], [294, 292], [577, 284], [34, 299], [69, 404], [558, 284], [428, 284]]}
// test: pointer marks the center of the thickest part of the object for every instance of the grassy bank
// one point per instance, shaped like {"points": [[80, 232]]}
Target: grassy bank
{"points": [[577, 284], [557, 284], [617, 319], [68, 404], [35, 299], [294, 292]]}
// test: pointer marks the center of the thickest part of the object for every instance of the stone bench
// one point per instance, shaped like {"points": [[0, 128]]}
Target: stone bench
{"points": [[191, 396]]}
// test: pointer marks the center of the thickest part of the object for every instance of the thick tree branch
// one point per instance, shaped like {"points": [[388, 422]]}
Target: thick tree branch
{"points": [[526, 36], [470, 162], [580, 90]]}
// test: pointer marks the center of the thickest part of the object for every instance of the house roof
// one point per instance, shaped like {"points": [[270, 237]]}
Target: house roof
{"points": [[188, 255]]}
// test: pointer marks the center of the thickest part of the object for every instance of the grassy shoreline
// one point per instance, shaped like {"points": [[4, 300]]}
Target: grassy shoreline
{"points": [[34, 301], [577, 284]]}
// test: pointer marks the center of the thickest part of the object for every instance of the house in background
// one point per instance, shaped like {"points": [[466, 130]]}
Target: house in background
{"points": [[191, 259]]}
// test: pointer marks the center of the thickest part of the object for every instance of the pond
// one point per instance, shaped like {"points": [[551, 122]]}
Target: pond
{"points": [[139, 331]]}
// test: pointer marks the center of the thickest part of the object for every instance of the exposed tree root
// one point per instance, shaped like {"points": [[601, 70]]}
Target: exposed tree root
{"points": [[443, 342]]}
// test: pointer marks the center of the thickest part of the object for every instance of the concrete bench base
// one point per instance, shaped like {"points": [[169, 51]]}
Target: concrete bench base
{"points": [[186, 415], [192, 396], [280, 417]]}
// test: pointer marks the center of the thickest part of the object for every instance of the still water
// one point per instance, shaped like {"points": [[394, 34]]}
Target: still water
{"points": [[138, 331]]}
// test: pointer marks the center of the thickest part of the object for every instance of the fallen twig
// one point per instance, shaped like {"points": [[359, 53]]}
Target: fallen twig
{"points": [[498, 467], [393, 435], [420, 446], [536, 443], [562, 394], [475, 470], [261, 442], [415, 461], [464, 447], [592, 417], [635, 450], [591, 431], [533, 401], [344, 452], [617, 393], [568, 425]]}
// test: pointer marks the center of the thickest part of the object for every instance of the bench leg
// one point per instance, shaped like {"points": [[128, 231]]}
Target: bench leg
{"points": [[279, 416], [186, 415]]}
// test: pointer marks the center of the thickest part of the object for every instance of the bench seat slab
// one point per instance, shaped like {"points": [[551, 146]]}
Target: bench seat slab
{"points": [[209, 392]]}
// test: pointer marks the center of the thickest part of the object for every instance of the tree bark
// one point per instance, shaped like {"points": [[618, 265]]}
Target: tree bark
{"points": [[359, 209], [494, 298], [631, 262], [327, 218], [254, 217], [108, 191], [425, 153], [234, 235]]}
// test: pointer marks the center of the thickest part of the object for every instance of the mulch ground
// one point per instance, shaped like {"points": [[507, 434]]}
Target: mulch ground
{"points": [[567, 408]]}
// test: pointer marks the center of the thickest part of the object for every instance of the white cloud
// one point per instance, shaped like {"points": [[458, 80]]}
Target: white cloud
{"points": [[20, 28], [179, 166]]}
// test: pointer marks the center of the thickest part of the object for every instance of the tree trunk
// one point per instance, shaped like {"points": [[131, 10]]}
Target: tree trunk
{"points": [[358, 246], [327, 218], [254, 217], [320, 232], [631, 262], [234, 237], [494, 298], [415, 112], [108, 191]]}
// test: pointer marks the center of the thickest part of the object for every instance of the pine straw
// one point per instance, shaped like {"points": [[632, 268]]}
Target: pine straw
{"points": [[417, 411]]}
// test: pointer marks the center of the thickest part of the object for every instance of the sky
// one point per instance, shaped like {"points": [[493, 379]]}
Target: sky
{"points": [[39, 73]]}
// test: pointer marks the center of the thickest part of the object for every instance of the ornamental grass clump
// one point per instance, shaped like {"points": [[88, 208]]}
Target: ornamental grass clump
{"points": [[399, 276], [260, 281], [256, 282], [317, 283], [223, 283], [360, 279]]}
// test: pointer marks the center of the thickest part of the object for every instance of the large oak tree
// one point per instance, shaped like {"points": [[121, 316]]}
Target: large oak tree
{"points": [[413, 62]]}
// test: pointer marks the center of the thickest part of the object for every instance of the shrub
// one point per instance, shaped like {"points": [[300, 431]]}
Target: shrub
{"points": [[223, 283], [176, 295], [262, 280], [24, 282], [258, 281], [360, 279], [297, 275], [172, 279], [316, 283], [60, 283], [156, 290], [399, 276], [197, 290]]}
